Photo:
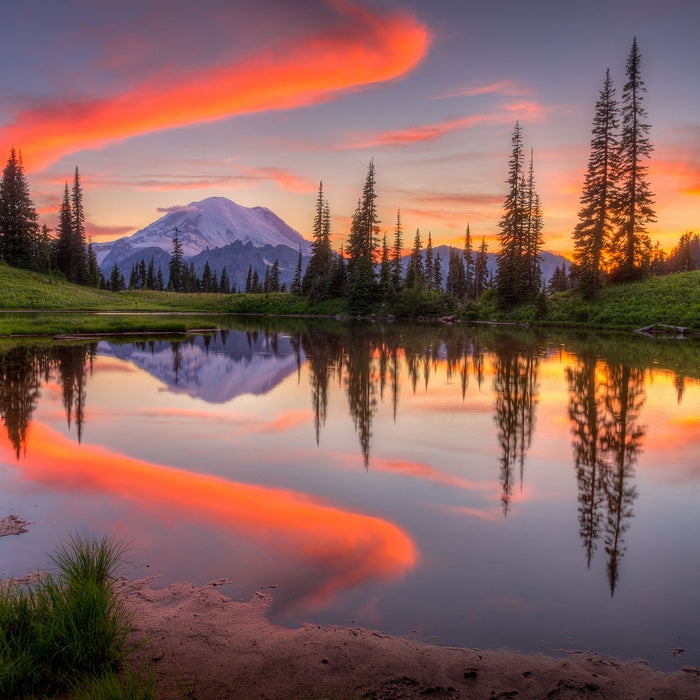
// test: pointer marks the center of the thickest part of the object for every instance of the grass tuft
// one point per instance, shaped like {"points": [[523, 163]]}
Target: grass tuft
{"points": [[69, 624]]}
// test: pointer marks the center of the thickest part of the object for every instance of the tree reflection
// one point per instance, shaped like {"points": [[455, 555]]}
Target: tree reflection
{"points": [[605, 400], [21, 371], [515, 384]]}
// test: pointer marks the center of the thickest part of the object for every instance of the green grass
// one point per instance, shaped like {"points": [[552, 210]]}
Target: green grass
{"points": [[69, 626], [672, 300]]}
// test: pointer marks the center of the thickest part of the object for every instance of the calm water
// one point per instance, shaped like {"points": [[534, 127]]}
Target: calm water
{"points": [[478, 487]]}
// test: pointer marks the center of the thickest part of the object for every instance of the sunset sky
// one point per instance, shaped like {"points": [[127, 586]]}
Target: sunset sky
{"points": [[160, 104]]}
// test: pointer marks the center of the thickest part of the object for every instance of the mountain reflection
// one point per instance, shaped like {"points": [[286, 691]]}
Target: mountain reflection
{"points": [[605, 401]]}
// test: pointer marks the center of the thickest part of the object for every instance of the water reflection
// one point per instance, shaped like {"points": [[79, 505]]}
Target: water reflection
{"points": [[442, 381], [515, 384], [21, 371]]}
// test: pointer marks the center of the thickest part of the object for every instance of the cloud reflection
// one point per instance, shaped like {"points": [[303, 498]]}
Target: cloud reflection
{"points": [[345, 548]]}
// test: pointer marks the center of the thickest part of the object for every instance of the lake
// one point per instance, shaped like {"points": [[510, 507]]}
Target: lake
{"points": [[485, 487]]}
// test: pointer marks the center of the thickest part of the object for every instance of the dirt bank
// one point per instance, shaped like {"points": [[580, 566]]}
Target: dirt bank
{"points": [[201, 641]]}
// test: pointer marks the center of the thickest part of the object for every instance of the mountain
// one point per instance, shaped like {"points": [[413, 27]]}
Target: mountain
{"points": [[548, 261], [211, 224]]}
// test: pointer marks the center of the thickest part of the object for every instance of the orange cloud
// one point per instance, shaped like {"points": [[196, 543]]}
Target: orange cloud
{"points": [[348, 547], [367, 50], [525, 111], [502, 87]]}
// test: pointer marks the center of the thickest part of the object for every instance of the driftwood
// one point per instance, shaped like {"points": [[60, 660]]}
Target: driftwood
{"points": [[663, 329]]}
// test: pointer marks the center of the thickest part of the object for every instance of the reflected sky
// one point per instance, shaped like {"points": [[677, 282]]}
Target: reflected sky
{"points": [[484, 488]]}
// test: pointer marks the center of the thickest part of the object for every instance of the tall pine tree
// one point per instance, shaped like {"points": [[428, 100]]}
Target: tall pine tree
{"points": [[510, 258], [631, 245], [595, 227], [79, 253], [19, 227]]}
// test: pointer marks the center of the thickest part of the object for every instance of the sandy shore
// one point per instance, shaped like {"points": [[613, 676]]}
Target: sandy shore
{"points": [[198, 639]]}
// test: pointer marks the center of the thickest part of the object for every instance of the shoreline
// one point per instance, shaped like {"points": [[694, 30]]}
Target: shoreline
{"points": [[195, 637]]}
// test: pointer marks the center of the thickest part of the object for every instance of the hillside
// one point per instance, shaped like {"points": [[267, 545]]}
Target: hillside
{"points": [[673, 300]]}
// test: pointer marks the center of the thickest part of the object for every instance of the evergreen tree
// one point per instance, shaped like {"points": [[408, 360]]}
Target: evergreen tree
{"points": [[481, 271], [415, 272], [594, 229], [116, 279], [509, 274], [315, 280], [339, 277], [397, 252], [142, 274], [296, 281], [224, 282], [19, 227], [44, 251], [64, 240], [429, 263], [79, 255], [468, 264], [176, 265], [150, 275], [456, 281], [249, 278], [437, 273], [159, 280], [631, 245], [206, 278], [385, 282], [275, 277], [532, 242], [255, 286], [362, 244]]}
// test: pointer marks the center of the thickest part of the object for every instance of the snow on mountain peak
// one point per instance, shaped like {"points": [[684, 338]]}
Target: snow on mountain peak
{"points": [[213, 223]]}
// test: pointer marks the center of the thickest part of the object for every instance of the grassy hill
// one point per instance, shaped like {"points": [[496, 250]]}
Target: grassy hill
{"points": [[673, 300]]}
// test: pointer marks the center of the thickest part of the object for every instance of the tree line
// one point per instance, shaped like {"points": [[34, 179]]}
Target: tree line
{"points": [[611, 241]]}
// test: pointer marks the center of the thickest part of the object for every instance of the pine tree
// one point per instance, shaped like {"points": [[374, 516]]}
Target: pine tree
{"points": [[78, 247], [385, 282], [44, 251], [429, 263], [206, 278], [176, 264], [415, 272], [397, 252], [116, 279], [481, 269], [315, 280], [532, 242], [339, 277], [362, 246], [93, 269], [150, 275], [249, 279], [631, 245], [64, 240], [468, 264], [509, 274], [275, 277], [255, 286], [19, 227], [437, 273], [224, 282], [594, 229]]}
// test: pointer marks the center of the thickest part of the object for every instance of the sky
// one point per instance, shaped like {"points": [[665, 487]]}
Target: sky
{"points": [[160, 104]]}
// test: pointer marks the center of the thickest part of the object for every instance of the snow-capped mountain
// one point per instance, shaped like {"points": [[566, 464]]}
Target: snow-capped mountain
{"points": [[212, 223]]}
